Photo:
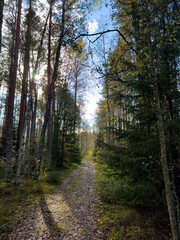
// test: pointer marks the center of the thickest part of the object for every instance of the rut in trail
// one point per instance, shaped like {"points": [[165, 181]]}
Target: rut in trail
{"points": [[69, 213]]}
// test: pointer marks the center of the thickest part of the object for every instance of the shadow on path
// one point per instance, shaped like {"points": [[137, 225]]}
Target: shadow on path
{"points": [[54, 230]]}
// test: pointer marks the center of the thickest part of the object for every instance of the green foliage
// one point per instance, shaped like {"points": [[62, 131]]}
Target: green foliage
{"points": [[65, 140], [137, 193], [52, 177], [120, 221], [71, 149]]}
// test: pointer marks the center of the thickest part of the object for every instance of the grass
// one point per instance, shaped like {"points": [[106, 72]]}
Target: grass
{"points": [[118, 221], [16, 201]]}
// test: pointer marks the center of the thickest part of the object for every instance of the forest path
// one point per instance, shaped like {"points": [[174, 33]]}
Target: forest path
{"points": [[69, 213]]}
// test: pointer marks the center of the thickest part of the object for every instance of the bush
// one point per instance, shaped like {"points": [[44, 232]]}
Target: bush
{"points": [[53, 177]]}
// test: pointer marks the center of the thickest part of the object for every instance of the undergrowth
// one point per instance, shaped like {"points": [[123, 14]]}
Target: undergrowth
{"points": [[16, 202], [119, 221]]}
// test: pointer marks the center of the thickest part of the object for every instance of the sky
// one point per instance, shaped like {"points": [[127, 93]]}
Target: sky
{"points": [[98, 20]]}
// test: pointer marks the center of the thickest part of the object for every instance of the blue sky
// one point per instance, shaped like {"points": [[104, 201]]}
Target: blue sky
{"points": [[98, 20]]}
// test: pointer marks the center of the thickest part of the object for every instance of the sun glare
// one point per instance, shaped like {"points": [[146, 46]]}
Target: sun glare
{"points": [[37, 77]]}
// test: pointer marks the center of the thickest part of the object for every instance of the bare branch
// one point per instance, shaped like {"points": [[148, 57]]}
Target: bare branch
{"points": [[104, 32]]}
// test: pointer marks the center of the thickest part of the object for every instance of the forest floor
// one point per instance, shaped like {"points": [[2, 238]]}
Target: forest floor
{"points": [[68, 213], [82, 207]]}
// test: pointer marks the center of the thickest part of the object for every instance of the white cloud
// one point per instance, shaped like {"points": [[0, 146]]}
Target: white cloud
{"points": [[44, 2], [92, 26], [91, 105]]}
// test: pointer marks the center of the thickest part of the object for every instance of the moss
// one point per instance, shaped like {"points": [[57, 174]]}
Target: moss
{"points": [[16, 201]]}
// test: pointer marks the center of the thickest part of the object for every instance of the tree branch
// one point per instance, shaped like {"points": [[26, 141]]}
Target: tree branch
{"points": [[104, 32]]}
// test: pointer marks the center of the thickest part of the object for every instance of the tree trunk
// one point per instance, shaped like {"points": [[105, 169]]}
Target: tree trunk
{"points": [[108, 108], [75, 102], [49, 81], [4, 128], [1, 21], [13, 74], [51, 93], [168, 190], [32, 147], [21, 148], [25, 77]]}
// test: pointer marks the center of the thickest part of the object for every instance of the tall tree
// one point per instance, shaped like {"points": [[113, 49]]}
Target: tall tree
{"points": [[10, 108], [1, 21], [25, 74], [49, 79]]}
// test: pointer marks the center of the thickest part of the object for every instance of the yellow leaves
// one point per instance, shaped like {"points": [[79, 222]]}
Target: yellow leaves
{"points": [[81, 43], [133, 74]]}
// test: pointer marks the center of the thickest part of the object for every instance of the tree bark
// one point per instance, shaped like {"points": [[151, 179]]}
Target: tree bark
{"points": [[49, 81], [25, 77], [75, 102], [108, 108], [21, 148], [4, 128], [1, 21], [51, 93], [13, 74]]}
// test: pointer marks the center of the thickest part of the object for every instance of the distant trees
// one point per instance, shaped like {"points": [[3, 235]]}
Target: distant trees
{"points": [[87, 140]]}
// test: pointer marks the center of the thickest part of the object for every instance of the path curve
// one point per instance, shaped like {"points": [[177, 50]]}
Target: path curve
{"points": [[69, 213]]}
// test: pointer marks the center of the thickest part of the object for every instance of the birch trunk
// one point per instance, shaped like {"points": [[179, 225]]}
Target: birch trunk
{"points": [[21, 148]]}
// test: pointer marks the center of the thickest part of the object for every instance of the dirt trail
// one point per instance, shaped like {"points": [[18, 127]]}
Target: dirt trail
{"points": [[69, 213]]}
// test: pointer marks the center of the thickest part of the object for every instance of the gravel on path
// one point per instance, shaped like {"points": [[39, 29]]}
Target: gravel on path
{"points": [[69, 213]]}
